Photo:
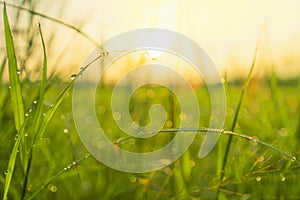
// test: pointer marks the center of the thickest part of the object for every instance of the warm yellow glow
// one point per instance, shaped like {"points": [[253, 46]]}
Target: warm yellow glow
{"points": [[228, 30]]}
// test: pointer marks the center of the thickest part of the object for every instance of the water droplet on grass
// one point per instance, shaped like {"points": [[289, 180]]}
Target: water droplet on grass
{"points": [[18, 72], [254, 140], [293, 159], [52, 188], [5, 172], [26, 134], [73, 76], [35, 101], [26, 114], [29, 188], [66, 130], [16, 137], [282, 177], [258, 179], [105, 54]]}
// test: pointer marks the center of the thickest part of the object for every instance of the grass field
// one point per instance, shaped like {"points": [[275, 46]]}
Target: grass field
{"points": [[42, 156]]}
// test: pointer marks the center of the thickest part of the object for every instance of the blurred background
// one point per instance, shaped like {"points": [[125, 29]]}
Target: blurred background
{"points": [[227, 30]]}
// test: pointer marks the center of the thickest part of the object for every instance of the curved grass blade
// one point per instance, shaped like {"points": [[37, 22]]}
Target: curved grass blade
{"points": [[171, 130], [15, 85]]}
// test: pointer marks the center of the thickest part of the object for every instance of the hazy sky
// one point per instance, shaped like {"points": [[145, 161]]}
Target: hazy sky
{"points": [[228, 30]]}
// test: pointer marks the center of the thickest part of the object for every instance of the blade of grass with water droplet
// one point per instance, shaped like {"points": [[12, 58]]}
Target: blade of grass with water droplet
{"points": [[38, 113], [233, 126], [39, 109], [16, 93], [16, 98]]}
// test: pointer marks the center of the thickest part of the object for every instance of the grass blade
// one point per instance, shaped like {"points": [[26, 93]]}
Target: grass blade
{"points": [[12, 160], [2, 68], [39, 110], [171, 130], [15, 85], [228, 145], [16, 98]]}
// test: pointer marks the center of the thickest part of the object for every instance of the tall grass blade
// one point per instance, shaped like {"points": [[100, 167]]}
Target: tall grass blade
{"points": [[39, 111], [15, 85], [39, 108], [233, 126]]}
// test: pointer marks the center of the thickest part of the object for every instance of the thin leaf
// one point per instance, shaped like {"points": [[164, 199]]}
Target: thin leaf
{"points": [[39, 112], [12, 160], [17, 101], [15, 85]]}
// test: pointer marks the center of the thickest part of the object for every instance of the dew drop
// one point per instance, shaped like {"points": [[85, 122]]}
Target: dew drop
{"points": [[65, 168], [258, 179], [44, 114], [105, 53], [133, 179], [254, 140], [29, 188], [73, 76], [18, 72], [118, 141], [52, 188], [30, 110], [282, 177], [35, 101], [51, 105], [16, 137], [26, 114], [9, 87], [26, 134], [66, 130], [74, 163], [293, 159], [5, 172], [87, 155]]}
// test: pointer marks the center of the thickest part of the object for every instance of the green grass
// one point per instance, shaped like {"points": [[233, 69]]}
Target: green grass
{"points": [[42, 156]]}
